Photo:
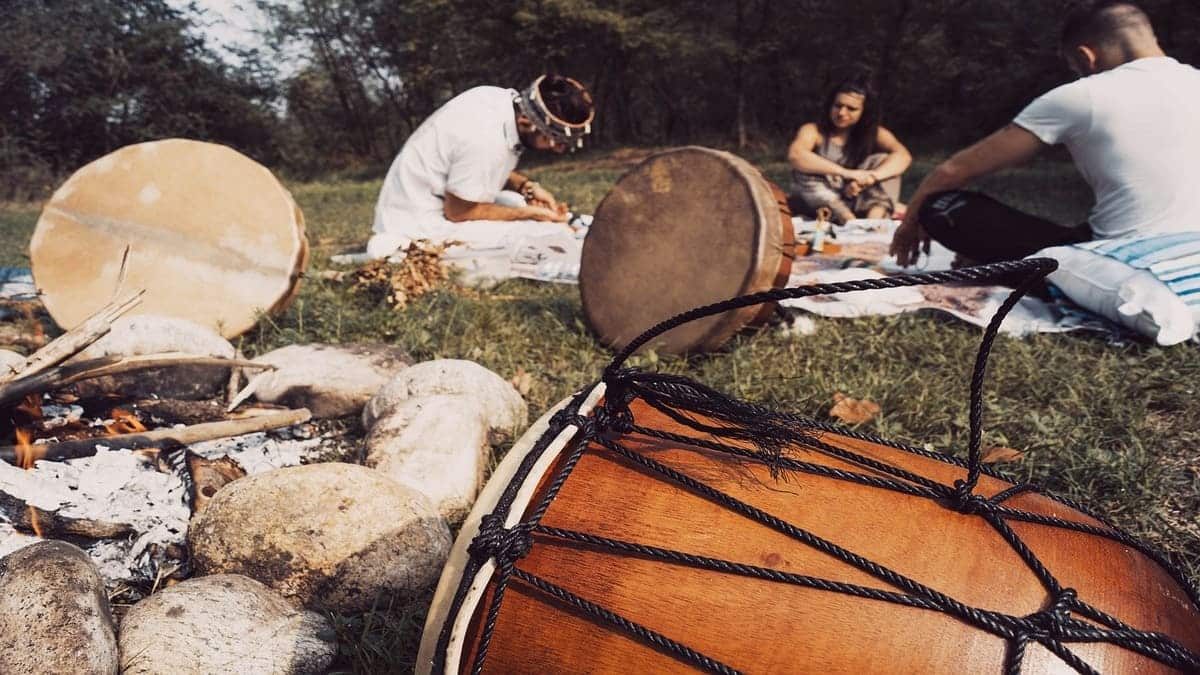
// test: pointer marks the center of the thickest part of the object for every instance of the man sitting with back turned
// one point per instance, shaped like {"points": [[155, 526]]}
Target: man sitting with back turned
{"points": [[1130, 124], [450, 181]]}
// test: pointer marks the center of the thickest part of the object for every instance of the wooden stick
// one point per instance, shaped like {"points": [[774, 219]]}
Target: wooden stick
{"points": [[61, 376], [235, 379], [196, 433], [75, 340], [121, 273]]}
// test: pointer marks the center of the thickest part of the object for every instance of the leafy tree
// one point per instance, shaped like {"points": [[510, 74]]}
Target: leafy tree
{"points": [[84, 77]]}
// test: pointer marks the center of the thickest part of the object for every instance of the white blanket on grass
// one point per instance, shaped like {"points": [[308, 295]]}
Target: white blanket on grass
{"points": [[864, 255]]}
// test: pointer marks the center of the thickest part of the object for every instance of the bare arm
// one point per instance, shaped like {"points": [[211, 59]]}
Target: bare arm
{"points": [[802, 157], [458, 210], [898, 159], [516, 181], [1004, 149]]}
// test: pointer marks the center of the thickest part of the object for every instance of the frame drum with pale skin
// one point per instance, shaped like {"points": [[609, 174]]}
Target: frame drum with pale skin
{"points": [[214, 237], [685, 228]]}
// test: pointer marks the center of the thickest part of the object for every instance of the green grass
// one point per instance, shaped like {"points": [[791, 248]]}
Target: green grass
{"points": [[1114, 427]]}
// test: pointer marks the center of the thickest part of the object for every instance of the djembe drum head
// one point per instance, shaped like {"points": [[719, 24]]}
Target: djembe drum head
{"points": [[684, 228], [213, 236], [652, 524]]}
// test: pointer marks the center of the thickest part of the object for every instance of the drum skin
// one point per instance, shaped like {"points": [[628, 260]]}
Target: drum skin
{"points": [[760, 626], [686, 227], [214, 237]]}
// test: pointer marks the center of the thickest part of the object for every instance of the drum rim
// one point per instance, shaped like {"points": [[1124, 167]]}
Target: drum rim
{"points": [[452, 577], [757, 277]]}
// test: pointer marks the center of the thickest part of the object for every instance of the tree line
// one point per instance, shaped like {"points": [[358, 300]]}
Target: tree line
{"points": [[339, 84]]}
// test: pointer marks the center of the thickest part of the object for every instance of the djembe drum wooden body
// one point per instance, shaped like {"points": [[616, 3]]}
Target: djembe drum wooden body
{"points": [[213, 236], [654, 525], [684, 228]]}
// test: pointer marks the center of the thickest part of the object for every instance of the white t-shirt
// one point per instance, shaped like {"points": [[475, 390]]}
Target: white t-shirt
{"points": [[1134, 133], [468, 147]]}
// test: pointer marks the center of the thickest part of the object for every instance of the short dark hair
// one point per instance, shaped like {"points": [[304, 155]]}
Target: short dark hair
{"points": [[565, 99], [1101, 21]]}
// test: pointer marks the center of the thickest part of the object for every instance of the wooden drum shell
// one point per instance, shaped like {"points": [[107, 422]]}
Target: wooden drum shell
{"points": [[763, 626]]}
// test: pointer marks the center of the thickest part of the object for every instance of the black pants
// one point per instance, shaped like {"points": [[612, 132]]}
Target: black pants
{"points": [[986, 231]]}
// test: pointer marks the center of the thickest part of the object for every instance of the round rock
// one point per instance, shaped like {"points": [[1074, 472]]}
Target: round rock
{"points": [[503, 407], [437, 445], [150, 334], [334, 536], [54, 613], [329, 380], [223, 624], [10, 362]]}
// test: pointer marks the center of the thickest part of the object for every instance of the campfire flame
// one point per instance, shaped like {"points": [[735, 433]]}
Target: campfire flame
{"points": [[124, 422], [27, 454]]}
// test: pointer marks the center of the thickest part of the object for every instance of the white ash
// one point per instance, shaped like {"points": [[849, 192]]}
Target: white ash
{"points": [[114, 486], [120, 486], [12, 539], [261, 451]]}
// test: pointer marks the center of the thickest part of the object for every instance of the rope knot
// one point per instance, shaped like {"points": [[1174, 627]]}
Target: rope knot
{"points": [[505, 545], [1051, 620], [613, 418], [966, 502]]}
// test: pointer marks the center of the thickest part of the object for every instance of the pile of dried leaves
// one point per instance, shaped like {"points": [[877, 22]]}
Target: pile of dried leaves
{"points": [[399, 283]]}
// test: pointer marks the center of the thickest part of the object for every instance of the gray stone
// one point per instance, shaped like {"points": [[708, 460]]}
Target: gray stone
{"points": [[10, 362], [503, 408], [54, 613], [150, 334], [329, 380], [437, 445], [333, 536], [225, 624]]}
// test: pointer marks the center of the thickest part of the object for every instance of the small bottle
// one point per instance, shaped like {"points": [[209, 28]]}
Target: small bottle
{"points": [[818, 240]]}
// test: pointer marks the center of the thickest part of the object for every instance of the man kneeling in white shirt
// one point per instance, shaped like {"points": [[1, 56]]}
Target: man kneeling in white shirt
{"points": [[455, 178]]}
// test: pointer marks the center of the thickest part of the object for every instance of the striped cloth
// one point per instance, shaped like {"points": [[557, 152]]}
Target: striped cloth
{"points": [[1173, 259]]}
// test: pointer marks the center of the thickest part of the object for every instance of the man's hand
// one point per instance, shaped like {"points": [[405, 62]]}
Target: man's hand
{"points": [[909, 240], [540, 196], [547, 215]]}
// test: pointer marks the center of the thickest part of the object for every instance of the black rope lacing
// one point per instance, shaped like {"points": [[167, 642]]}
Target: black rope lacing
{"points": [[768, 433]]}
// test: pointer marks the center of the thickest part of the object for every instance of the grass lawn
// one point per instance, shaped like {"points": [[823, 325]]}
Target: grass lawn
{"points": [[1114, 427]]}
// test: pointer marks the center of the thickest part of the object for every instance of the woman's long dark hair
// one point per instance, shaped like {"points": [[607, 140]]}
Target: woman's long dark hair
{"points": [[861, 140]]}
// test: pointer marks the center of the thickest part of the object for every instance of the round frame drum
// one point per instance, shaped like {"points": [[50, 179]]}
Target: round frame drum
{"points": [[684, 228], [664, 548], [214, 237]]}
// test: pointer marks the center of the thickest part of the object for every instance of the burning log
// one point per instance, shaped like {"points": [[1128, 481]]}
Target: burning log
{"points": [[184, 436]]}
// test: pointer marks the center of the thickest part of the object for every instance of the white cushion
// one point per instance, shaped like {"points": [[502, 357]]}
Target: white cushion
{"points": [[1126, 295]]}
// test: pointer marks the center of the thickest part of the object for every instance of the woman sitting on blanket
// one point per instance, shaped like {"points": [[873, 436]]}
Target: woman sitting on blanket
{"points": [[846, 161]]}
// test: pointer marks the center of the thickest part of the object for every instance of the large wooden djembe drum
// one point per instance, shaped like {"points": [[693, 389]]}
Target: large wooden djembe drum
{"points": [[650, 524], [684, 228]]}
